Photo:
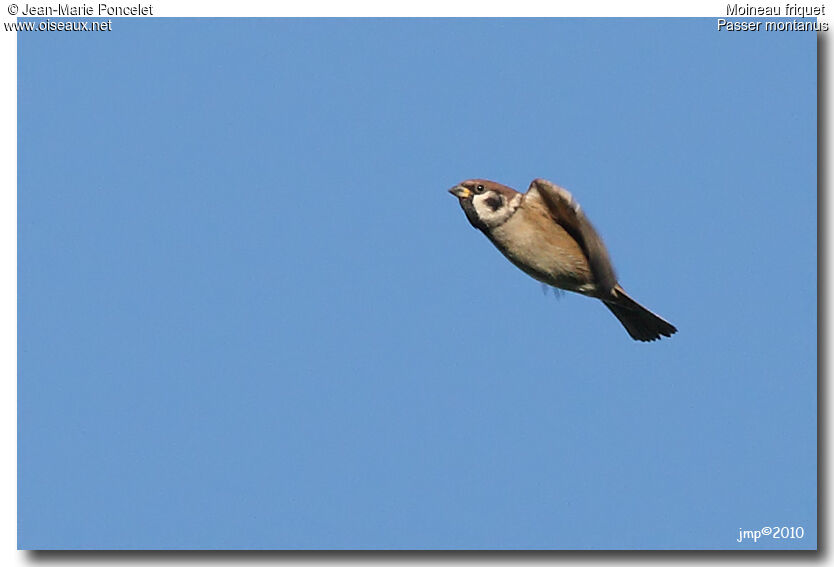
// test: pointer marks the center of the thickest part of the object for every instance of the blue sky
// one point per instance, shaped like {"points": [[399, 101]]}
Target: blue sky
{"points": [[250, 316]]}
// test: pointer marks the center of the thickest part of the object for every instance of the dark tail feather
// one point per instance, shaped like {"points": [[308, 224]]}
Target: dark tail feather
{"points": [[641, 324]]}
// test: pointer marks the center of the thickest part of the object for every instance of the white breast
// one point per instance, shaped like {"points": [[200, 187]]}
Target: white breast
{"points": [[542, 249]]}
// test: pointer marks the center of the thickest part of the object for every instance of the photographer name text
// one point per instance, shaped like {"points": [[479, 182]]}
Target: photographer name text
{"points": [[91, 10]]}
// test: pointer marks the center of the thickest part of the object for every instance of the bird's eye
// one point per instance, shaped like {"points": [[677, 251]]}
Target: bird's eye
{"points": [[479, 189]]}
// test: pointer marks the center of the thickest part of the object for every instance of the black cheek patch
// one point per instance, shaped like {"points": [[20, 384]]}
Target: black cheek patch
{"points": [[493, 203]]}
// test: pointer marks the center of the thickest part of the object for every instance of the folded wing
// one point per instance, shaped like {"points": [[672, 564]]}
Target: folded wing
{"points": [[567, 213]]}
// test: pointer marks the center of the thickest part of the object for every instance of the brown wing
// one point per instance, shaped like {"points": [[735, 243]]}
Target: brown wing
{"points": [[567, 213]]}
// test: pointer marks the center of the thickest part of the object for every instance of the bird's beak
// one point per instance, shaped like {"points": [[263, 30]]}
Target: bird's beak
{"points": [[460, 192]]}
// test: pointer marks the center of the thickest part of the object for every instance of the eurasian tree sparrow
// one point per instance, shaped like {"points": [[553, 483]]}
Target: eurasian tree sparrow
{"points": [[545, 233]]}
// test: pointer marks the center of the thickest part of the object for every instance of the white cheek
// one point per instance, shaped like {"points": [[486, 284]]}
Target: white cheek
{"points": [[485, 212], [496, 217]]}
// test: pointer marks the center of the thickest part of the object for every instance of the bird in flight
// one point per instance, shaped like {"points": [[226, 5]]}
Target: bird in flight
{"points": [[545, 233]]}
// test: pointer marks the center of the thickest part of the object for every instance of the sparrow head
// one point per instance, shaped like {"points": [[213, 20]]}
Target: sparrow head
{"points": [[487, 204]]}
